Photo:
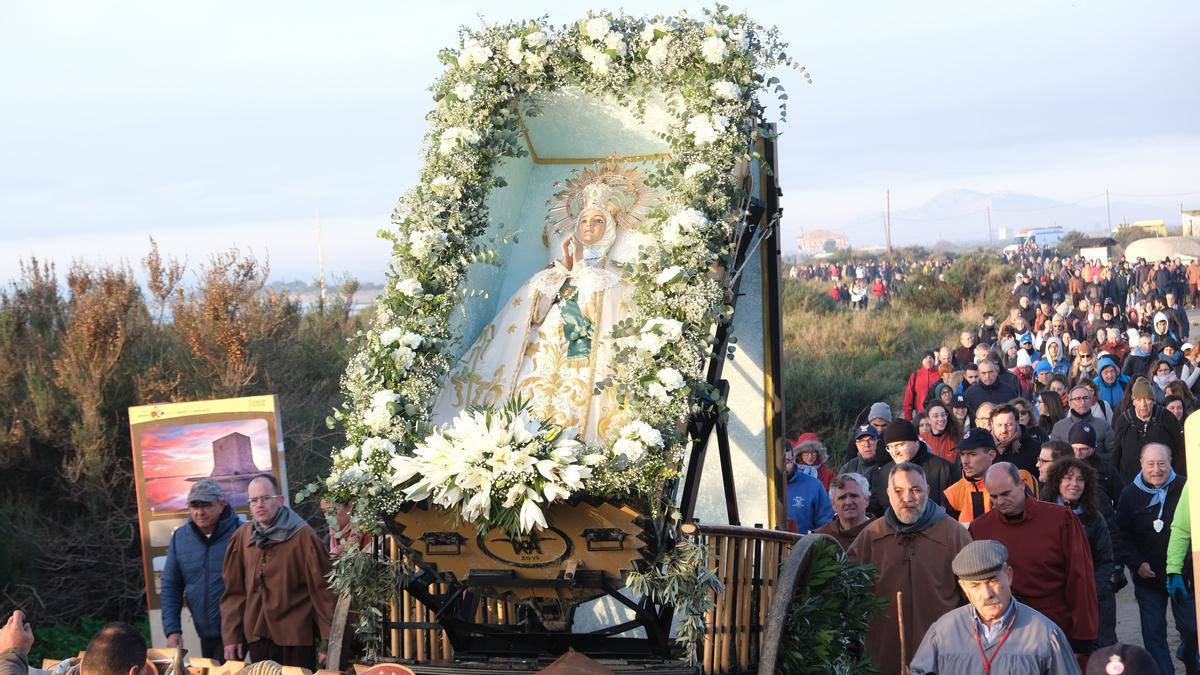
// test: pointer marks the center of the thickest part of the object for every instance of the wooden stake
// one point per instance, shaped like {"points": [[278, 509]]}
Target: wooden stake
{"points": [[900, 620]]}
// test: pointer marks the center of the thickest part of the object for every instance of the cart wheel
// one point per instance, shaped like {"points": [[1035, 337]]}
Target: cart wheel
{"points": [[795, 570], [337, 631]]}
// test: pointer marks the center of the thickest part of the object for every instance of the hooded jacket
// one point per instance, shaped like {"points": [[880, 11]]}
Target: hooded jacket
{"points": [[1132, 434], [917, 389], [1112, 394], [193, 569]]}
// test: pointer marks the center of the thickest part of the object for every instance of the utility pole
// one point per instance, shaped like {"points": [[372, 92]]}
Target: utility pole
{"points": [[989, 211], [1108, 209], [887, 226], [320, 261]]}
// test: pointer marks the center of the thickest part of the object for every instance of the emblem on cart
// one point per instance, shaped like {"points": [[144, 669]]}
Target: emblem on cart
{"points": [[543, 548]]}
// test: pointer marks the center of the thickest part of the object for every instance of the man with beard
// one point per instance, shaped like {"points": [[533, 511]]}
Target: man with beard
{"points": [[968, 499], [1047, 544], [912, 546], [995, 632], [276, 597], [903, 445], [849, 493], [990, 388], [1014, 443], [1079, 402]]}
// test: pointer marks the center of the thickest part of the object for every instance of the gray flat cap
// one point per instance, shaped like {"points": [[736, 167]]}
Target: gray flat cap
{"points": [[980, 560], [205, 491]]}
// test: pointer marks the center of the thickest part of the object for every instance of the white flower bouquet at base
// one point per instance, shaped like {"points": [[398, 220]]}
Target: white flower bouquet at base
{"points": [[496, 468]]}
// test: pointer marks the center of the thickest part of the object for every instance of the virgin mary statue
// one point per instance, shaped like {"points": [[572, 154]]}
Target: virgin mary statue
{"points": [[549, 342]]}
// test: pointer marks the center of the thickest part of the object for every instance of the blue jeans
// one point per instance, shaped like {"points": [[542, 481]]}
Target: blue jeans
{"points": [[1152, 609]]}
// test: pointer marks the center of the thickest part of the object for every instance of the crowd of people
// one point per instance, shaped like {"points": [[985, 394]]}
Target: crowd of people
{"points": [[1028, 469]]}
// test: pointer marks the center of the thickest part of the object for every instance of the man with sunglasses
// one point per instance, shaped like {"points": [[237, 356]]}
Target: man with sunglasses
{"points": [[276, 598]]}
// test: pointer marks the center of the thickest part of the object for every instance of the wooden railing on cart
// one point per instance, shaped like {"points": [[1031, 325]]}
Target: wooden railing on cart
{"points": [[746, 559]]}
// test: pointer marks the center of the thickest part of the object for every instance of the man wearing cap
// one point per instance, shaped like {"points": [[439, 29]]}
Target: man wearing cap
{"points": [[995, 633], [968, 499], [912, 546], [193, 567], [868, 455], [904, 445], [1049, 552], [1145, 421], [919, 383], [1079, 409], [849, 493]]}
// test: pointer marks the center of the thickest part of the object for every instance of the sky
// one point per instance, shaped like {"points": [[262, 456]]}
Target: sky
{"points": [[221, 124]]}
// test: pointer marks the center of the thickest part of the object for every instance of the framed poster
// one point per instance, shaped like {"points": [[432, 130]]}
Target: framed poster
{"points": [[230, 441]]}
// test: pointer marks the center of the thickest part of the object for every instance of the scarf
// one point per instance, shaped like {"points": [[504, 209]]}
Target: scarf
{"points": [[282, 527], [929, 515], [1077, 509], [1158, 495]]}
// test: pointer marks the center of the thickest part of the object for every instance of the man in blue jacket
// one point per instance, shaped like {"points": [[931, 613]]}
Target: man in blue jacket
{"points": [[193, 568]]}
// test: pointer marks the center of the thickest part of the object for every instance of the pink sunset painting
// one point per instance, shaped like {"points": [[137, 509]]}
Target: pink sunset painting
{"points": [[232, 453]]}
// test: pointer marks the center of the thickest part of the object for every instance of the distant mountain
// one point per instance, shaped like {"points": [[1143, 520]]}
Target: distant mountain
{"points": [[961, 215]]}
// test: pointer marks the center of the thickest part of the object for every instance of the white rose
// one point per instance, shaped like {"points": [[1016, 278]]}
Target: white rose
{"points": [[671, 379], [533, 61], [682, 227], [658, 51], [714, 49], [410, 287], [658, 391], [378, 420], [649, 31], [631, 449], [442, 184], [695, 170], [651, 342], [349, 453], [596, 28], [382, 398], [670, 328], [615, 42], [600, 60], [473, 53], [411, 340], [376, 445], [668, 275], [726, 90], [390, 336], [535, 39], [422, 243], [404, 358], [464, 90], [513, 49]]}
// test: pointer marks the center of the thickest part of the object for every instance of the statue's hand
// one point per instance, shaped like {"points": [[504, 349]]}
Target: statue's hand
{"points": [[568, 257]]}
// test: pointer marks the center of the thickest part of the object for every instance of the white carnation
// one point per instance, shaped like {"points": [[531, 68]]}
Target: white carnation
{"points": [[682, 228], [695, 170], [640, 431], [714, 49], [411, 340], [599, 60], [669, 328], [390, 336], [375, 445], [649, 31], [382, 398], [349, 453], [442, 185], [404, 358], [410, 287], [422, 243], [668, 275], [651, 342], [533, 61], [658, 391], [452, 137], [630, 449], [535, 39], [473, 53], [671, 379], [464, 90], [596, 28], [726, 90]]}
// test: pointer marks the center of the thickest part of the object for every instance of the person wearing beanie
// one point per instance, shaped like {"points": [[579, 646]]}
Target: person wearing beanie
{"points": [[968, 499], [994, 632], [808, 505], [1079, 409], [919, 384], [912, 546], [879, 417], [1047, 541], [1145, 421], [903, 444], [1110, 383]]}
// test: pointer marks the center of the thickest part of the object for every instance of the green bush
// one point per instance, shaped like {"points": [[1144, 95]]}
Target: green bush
{"points": [[63, 641], [828, 619]]}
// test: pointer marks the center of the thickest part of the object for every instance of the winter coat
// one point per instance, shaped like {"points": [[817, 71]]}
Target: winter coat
{"points": [[917, 389], [1135, 518], [918, 565], [1112, 394], [193, 569], [1035, 646], [1132, 434], [1105, 440], [938, 473], [999, 392]]}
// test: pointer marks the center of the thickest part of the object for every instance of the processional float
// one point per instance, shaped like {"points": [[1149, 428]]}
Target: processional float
{"points": [[530, 415]]}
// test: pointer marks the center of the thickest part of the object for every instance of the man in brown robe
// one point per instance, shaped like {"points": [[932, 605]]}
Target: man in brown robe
{"points": [[276, 599], [912, 546]]}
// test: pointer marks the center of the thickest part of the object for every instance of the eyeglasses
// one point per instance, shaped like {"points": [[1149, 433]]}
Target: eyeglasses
{"points": [[263, 499], [1081, 398]]}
